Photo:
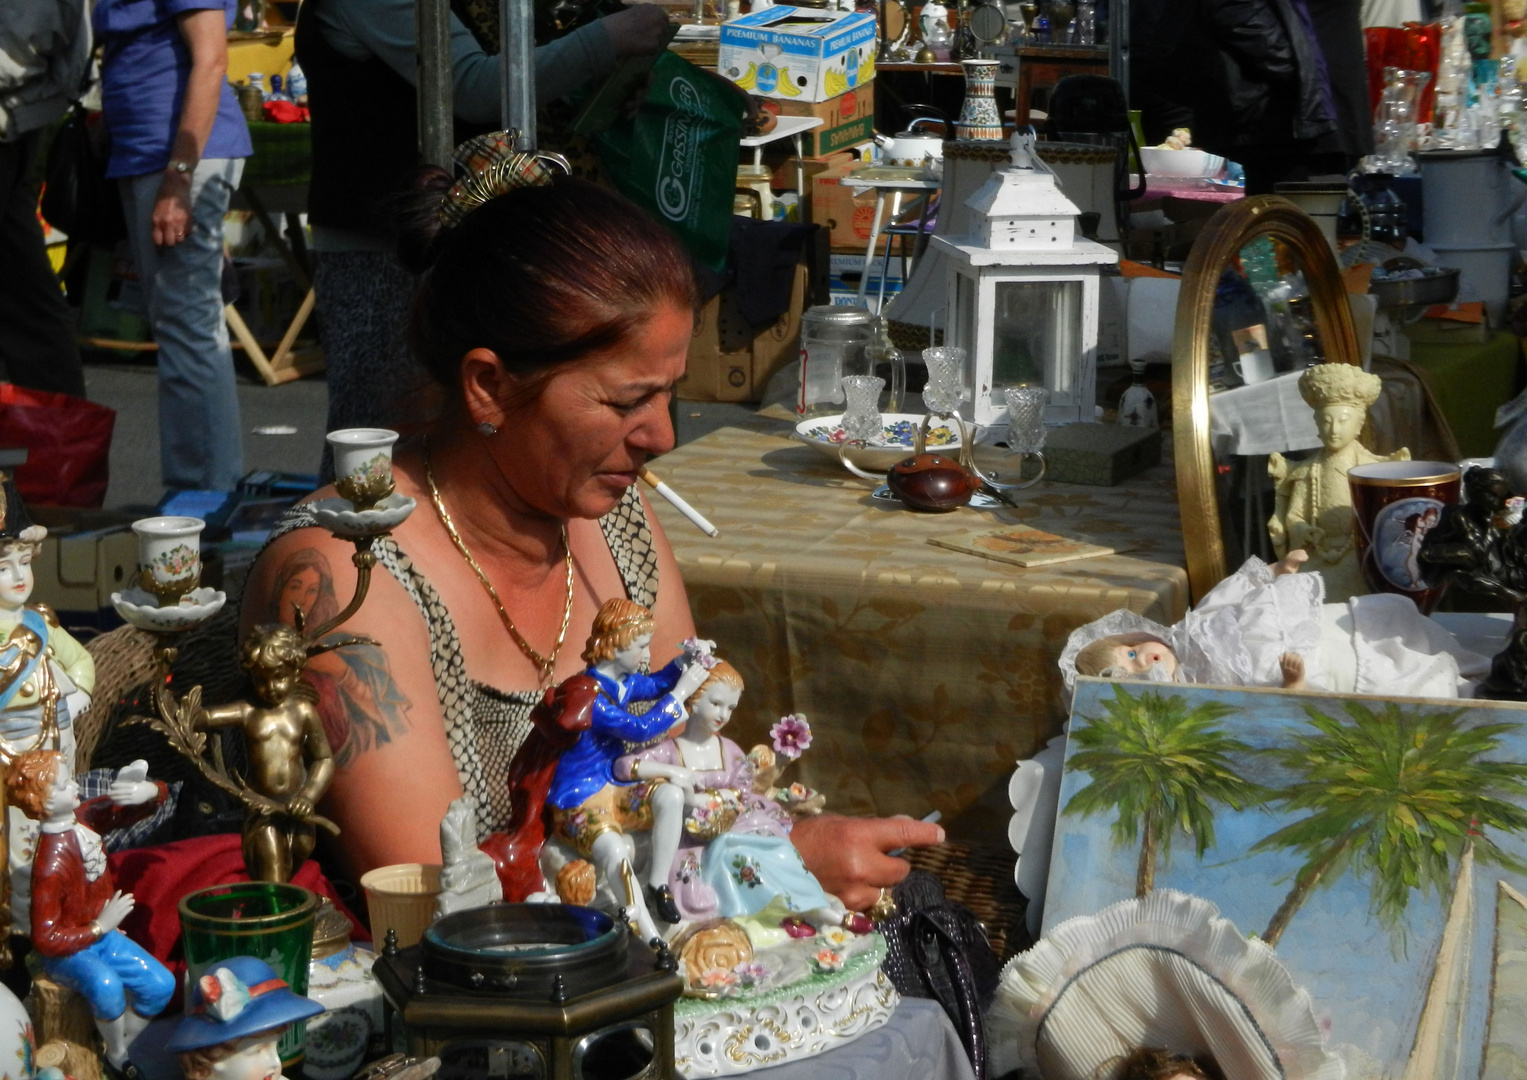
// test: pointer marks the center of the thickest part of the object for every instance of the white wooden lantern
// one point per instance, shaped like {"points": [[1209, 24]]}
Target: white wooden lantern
{"points": [[1023, 294]]}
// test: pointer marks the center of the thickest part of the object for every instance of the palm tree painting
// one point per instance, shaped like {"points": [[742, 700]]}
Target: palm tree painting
{"points": [[1160, 764], [1392, 793], [1368, 840]]}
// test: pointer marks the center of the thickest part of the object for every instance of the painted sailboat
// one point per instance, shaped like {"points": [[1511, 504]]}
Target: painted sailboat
{"points": [[1506, 1035], [1438, 1050]]}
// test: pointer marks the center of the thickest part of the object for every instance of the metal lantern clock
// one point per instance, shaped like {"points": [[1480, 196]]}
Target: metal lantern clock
{"points": [[1023, 294]]}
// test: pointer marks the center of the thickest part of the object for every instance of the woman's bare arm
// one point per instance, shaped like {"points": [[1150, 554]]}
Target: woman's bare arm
{"points": [[206, 37], [394, 775]]}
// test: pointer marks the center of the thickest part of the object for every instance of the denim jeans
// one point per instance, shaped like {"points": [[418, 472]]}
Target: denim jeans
{"points": [[200, 443], [109, 969]]}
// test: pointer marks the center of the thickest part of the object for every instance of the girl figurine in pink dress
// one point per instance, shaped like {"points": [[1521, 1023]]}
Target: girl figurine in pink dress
{"points": [[736, 856]]}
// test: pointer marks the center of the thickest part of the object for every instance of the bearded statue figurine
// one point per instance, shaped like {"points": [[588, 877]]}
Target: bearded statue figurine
{"points": [[1313, 505]]}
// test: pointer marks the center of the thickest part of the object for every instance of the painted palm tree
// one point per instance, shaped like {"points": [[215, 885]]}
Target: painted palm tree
{"points": [[1395, 793], [1160, 765]]}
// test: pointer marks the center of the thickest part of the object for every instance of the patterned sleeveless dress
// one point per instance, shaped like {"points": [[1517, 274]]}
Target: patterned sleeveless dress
{"points": [[485, 726]]}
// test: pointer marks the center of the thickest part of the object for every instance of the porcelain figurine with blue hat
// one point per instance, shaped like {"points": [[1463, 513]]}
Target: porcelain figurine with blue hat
{"points": [[236, 1015]]}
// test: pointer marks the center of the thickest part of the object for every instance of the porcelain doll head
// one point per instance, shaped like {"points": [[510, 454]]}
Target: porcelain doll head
{"points": [[622, 633], [1340, 394], [235, 1016], [1154, 1063], [1128, 656], [274, 655], [710, 707], [39, 785], [19, 542]]}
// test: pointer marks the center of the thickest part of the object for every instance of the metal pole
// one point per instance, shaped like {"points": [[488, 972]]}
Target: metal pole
{"points": [[517, 70], [432, 25], [1118, 42]]}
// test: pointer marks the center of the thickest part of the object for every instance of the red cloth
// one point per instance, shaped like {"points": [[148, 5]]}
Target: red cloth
{"points": [[285, 112], [64, 901], [159, 876]]}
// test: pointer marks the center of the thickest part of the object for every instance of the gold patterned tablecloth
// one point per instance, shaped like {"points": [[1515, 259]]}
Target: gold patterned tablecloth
{"points": [[926, 673]]}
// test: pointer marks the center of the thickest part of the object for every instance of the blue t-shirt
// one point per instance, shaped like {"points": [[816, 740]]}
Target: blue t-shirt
{"points": [[143, 83]]}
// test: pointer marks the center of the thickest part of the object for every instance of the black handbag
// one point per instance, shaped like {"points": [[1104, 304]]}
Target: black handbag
{"points": [[936, 948], [78, 198]]}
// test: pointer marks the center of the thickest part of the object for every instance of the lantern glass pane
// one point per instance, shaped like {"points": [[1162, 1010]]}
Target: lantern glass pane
{"points": [[1037, 331], [965, 333]]}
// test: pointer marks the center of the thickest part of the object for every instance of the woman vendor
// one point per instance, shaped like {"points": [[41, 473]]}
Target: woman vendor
{"points": [[555, 319]]}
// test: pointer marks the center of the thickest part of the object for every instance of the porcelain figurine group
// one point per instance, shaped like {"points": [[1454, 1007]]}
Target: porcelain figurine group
{"points": [[714, 829]]}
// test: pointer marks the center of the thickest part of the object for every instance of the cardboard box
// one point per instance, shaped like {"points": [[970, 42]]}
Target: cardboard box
{"points": [[847, 120], [729, 360], [846, 215], [87, 556], [801, 53]]}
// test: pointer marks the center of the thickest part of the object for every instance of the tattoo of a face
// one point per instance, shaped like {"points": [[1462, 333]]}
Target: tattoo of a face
{"points": [[361, 705]]}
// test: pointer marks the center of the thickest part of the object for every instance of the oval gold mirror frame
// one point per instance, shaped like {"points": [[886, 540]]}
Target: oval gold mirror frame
{"points": [[1222, 239]]}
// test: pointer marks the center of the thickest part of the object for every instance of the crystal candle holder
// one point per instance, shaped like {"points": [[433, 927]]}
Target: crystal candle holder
{"points": [[363, 464], [946, 364], [1026, 418], [862, 420]]}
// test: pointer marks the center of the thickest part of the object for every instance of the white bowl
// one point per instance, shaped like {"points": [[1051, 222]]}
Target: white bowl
{"points": [[895, 444], [1189, 163], [141, 609]]}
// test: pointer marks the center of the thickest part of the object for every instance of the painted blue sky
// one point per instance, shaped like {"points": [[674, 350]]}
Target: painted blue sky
{"points": [[1366, 984]]}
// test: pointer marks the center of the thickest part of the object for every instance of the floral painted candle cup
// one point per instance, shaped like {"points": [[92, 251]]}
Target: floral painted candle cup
{"points": [[363, 464], [169, 556]]}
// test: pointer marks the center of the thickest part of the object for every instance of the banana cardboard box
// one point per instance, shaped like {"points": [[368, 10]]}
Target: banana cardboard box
{"points": [[804, 54]]}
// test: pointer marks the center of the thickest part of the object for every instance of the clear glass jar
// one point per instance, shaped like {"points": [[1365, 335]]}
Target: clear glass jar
{"points": [[833, 340]]}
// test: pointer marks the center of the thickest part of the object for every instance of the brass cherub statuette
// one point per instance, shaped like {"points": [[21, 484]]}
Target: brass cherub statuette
{"points": [[291, 764]]}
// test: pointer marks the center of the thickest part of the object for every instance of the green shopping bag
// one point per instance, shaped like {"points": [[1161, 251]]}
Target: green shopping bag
{"points": [[677, 158]]}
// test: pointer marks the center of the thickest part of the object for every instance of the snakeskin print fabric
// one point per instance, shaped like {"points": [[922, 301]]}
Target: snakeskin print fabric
{"points": [[485, 726]]}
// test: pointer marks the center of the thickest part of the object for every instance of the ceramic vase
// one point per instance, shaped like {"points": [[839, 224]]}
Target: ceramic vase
{"points": [[339, 1040], [979, 118]]}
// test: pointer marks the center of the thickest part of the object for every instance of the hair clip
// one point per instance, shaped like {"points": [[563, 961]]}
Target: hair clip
{"points": [[492, 168]]}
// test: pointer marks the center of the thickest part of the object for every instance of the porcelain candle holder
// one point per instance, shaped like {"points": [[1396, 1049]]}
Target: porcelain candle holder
{"points": [[169, 556], [363, 464]]}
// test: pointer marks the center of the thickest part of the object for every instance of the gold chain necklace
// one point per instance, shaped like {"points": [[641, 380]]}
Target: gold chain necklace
{"points": [[544, 663]]}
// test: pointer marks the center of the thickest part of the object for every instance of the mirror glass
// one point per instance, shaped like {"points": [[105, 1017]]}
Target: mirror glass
{"points": [[1261, 300]]}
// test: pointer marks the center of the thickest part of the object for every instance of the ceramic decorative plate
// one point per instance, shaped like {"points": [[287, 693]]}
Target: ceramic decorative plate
{"points": [[341, 518], [142, 610], [825, 433]]}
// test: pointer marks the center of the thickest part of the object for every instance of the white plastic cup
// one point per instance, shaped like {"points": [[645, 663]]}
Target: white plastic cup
{"points": [[401, 898]]}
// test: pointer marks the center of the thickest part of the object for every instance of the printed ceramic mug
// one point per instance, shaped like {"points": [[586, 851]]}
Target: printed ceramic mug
{"points": [[1394, 505], [1255, 367]]}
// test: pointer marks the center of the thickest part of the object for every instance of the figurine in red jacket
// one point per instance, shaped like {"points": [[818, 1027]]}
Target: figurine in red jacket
{"points": [[75, 907]]}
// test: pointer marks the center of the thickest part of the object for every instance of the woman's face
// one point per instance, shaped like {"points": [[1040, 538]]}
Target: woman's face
{"points": [[299, 593], [711, 711], [1339, 425], [573, 451], [256, 1059]]}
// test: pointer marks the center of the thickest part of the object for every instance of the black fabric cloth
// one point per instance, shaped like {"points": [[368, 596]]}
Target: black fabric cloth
{"points": [[365, 131], [37, 340], [1339, 32], [762, 258], [1240, 73]]}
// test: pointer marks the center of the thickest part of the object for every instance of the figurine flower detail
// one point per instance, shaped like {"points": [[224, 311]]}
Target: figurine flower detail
{"points": [[750, 973], [718, 980], [225, 996], [828, 959], [698, 651], [792, 735], [835, 937]]}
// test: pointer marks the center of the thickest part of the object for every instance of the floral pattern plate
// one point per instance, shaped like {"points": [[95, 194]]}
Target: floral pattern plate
{"points": [[825, 433]]}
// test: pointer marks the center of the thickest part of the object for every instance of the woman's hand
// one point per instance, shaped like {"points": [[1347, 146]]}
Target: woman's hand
{"points": [[639, 30], [849, 855], [172, 210]]}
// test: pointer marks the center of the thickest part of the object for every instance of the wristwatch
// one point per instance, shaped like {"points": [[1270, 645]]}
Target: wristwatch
{"points": [[178, 166]]}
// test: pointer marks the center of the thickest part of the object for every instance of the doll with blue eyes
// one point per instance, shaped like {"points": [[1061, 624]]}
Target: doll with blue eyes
{"points": [[1268, 625]]}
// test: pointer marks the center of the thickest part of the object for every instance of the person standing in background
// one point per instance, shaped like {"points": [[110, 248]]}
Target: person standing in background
{"points": [[178, 141], [359, 58], [44, 55]]}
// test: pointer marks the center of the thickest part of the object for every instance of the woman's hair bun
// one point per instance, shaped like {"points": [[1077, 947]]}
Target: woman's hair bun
{"points": [[416, 216]]}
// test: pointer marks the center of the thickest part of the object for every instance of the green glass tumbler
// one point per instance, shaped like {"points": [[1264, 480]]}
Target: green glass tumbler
{"points": [[272, 922]]}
